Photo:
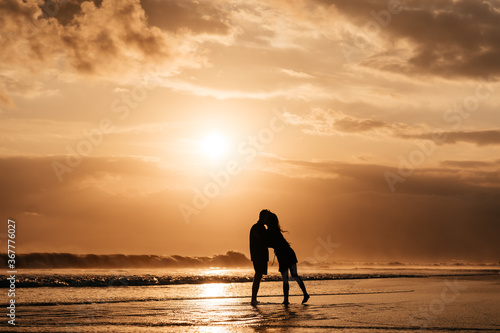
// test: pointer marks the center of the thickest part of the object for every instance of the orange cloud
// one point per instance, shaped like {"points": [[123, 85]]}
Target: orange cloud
{"points": [[112, 40]]}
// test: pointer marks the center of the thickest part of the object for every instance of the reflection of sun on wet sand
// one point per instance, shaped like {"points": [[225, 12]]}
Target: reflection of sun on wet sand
{"points": [[213, 290], [397, 305]]}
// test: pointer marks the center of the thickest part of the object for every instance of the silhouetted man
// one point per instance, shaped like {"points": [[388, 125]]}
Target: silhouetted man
{"points": [[258, 252]]}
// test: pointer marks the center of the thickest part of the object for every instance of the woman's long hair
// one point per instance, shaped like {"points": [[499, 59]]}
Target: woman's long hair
{"points": [[273, 223], [274, 227]]}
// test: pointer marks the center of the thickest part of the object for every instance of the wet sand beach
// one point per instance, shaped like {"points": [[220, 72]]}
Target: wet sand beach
{"points": [[433, 304]]}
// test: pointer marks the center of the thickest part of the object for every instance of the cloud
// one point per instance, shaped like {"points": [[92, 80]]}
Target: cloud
{"points": [[328, 122], [111, 40], [442, 38], [5, 99], [200, 17], [112, 193], [32, 176], [200, 90], [64, 10], [105, 38], [471, 164], [24, 87], [434, 214], [100, 207], [353, 178], [293, 92], [296, 74], [479, 138], [349, 124]]}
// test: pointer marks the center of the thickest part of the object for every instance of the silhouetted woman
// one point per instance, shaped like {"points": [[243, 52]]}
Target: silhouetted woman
{"points": [[286, 256]]}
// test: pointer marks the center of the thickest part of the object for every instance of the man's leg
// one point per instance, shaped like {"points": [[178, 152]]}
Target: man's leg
{"points": [[255, 286], [286, 286]]}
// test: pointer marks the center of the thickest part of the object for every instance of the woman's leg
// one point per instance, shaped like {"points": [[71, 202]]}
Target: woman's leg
{"points": [[296, 277], [286, 286]]}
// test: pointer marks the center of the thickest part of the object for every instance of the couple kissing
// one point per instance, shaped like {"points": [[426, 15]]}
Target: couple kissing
{"points": [[261, 238]]}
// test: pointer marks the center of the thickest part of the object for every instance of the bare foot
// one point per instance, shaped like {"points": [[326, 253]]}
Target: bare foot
{"points": [[306, 298], [285, 303], [254, 302]]}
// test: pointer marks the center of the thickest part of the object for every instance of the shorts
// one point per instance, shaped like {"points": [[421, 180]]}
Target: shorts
{"points": [[260, 267]]}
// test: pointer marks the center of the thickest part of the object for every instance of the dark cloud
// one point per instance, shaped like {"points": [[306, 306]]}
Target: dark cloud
{"points": [[110, 40], [479, 138], [453, 38], [198, 17], [349, 124], [112, 31], [91, 40], [172, 16], [64, 10], [449, 38], [352, 178], [19, 10], [328, 122], [471, 164], [105, 38]]}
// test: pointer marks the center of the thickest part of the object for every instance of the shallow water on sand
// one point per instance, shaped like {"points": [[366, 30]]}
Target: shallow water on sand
{"points": [[464, 303]]}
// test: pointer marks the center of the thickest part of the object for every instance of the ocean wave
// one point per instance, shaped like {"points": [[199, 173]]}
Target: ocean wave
{"points": [[231, 259], [113, 280], [70, 260]]}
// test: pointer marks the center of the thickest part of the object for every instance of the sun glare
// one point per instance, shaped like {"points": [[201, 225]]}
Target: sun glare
{"points": [[214, 145], [213, 290]]}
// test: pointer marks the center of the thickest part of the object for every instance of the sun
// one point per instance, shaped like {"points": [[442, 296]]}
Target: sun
{"points": [[214, 145]]}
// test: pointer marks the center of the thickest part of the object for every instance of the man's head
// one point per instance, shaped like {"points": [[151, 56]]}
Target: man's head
{"points": [[263, 215]]}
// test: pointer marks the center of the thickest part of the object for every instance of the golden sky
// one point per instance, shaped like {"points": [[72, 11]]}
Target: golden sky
{"points": [[165, 126]]}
